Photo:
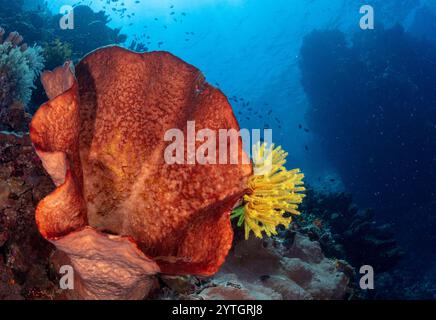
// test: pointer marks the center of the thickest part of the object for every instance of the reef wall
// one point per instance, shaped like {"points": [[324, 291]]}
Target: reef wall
{"points": [[372, 107]]}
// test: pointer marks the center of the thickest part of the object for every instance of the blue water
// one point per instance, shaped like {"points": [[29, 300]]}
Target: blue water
{"points": [[251, 49]]}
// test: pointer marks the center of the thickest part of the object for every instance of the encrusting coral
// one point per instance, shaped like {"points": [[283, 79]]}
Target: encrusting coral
{"points": [[24, 258], [120, 213], [266, 269], [19, 67]]}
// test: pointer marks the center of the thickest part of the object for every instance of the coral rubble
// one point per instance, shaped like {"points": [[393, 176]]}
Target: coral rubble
{"points": [[267, 270]]}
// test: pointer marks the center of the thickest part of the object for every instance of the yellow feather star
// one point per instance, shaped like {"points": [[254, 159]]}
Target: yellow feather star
{"points": [[272, 191]]}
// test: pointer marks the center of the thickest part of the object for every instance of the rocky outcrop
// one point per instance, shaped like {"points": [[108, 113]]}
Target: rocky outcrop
{"points": [[267, 269], [24, 265], [341, 227]]}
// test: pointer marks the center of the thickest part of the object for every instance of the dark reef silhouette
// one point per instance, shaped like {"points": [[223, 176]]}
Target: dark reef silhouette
{"points": [[42, 27], [373, 108], [90, 31]]}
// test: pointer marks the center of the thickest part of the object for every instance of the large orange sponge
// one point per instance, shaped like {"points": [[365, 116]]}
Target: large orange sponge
{"points": [[101, 138]]}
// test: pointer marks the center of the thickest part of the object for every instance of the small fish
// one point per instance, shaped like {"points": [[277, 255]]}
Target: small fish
{"points": [[264, 277]]}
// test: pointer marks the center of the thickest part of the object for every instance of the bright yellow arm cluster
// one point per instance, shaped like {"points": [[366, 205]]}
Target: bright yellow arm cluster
{"points": [[272, 191]]}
